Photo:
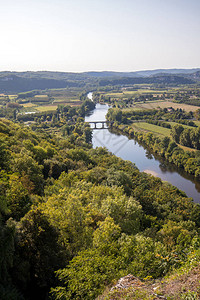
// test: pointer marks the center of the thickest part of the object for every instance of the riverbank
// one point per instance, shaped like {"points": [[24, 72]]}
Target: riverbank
{"points": [[146, 160], [165, 148]]}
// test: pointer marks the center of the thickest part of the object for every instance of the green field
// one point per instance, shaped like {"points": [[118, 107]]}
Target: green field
{"points": [[139, 91], [66, 100], [147, 91], [185, 126], [197, 123], [50, 99], [12, 97], [166, 104], [116, 95], [46, 108], [158, 130], [147, 105]]}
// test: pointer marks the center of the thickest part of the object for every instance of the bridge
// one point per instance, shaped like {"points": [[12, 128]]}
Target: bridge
{"points": [[103, 123]]}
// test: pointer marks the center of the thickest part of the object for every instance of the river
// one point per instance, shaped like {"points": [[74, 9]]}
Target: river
{"points": [[129, 149]]}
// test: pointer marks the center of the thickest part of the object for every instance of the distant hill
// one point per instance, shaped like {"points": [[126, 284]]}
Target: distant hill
{"points": [[15, 82], [161, 79], [26, 81], [167, 71], [45, 74], [194, 76], [141, 73], [112, 74]]}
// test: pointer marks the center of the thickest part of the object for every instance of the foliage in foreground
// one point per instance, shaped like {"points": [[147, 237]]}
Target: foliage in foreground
{"points": [[74, 219]]}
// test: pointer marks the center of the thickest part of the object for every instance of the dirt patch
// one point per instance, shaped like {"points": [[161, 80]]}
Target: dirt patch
{"points": [[151, 172], [176, 287], [183, 284]]}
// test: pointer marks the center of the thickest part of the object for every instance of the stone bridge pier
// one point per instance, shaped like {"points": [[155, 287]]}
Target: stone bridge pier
{"points": [[103, 123]]}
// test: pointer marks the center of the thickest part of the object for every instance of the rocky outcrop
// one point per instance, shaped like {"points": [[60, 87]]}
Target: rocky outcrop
{"points": [[181, 285], [127, 282]]}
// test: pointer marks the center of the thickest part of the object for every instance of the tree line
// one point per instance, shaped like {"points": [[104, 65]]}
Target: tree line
{"points": [[189, 137]]}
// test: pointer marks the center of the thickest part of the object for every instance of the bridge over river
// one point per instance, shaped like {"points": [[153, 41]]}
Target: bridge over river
{"points": [[103, 123]]}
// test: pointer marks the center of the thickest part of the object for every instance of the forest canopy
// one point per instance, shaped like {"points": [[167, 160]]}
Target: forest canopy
{"points": [[73, 218]]}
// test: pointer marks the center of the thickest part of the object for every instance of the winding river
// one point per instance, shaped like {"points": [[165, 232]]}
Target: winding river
{"points": [[129, 149]]}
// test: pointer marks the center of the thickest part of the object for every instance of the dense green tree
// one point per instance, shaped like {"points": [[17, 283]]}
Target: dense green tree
{"points": [[7, 233], [53, 168], [126, 212], [119, 178], [195, 138], [66, 213], [4, 154], [25, 164], [177, 236], [88, 135], [39, 253], [176, 132], [86, 276], [185, 138], [18, 199]]}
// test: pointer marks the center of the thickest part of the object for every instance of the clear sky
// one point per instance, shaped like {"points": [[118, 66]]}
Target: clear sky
{"points": [[86, 35]]}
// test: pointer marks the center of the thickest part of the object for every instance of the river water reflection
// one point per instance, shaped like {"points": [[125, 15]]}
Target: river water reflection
{"points": [[129, 149]]}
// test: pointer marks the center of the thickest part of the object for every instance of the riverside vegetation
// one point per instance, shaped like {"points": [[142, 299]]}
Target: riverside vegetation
{"points": [[161, 130]]}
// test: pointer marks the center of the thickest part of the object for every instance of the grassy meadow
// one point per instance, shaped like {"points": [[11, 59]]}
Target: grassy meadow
{"points": [[157, 130]]}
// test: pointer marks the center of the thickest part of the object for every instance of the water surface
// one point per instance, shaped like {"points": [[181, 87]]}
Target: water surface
{"points": [[129, 149]]}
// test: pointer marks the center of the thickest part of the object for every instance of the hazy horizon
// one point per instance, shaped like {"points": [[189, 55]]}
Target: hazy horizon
{"points": [[91, 35], [114, 71]]}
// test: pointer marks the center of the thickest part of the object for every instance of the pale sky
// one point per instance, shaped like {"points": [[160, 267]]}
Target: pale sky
{"points": [[99, 35]]}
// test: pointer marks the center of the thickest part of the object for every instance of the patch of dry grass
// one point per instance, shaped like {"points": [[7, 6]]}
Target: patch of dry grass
{"points": [[41, 96], [43, 108], [28, 105], [183, 285]]}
